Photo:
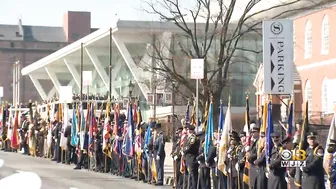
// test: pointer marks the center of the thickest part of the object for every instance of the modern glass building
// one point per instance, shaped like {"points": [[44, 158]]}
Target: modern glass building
{"points": [[126, 48]]}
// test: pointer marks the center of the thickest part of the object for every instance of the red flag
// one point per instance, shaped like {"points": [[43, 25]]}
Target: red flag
{"points": [[15, 136]]}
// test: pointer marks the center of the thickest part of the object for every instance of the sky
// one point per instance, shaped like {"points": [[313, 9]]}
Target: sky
{"points": [[50, 13], [103, 12]]}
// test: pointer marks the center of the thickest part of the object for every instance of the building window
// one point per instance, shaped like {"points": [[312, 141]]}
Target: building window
{"points": [[324, 90], [325, 35], [12, 45], [294, 40], [309, 97], [308, 40]]}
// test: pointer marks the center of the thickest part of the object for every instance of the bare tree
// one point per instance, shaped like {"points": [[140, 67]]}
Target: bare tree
{"points": [[218, 30]]}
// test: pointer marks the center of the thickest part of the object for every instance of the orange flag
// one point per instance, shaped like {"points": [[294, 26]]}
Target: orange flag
{"points": [[15, 136]]}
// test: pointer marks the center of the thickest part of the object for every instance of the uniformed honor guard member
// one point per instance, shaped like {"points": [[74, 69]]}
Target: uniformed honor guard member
{"points": [[176, 155], [252, 156], [260, 163], [231, 160], [159, 153], [23, 133], [332, 173], [204, 181], [190, 151], [241, 158], [313, 173], [276, 178]]}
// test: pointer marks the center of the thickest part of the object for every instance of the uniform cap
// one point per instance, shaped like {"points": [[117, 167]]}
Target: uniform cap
{"points": [[275, 134], [157, 125], [242, 134], [312, 135], [190, 127]]}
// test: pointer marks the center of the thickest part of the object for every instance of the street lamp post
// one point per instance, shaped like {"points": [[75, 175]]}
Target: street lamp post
{"points": [[130, 89], [173, 104]]}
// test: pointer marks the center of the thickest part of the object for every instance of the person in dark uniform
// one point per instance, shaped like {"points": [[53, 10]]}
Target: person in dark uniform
{"points": [[231, 160], [332, 173], [190, 151], [313, 173], [99, 148], [159, 153], [260, 163], [241, 158], [212, 163], [252, 156], [150, 151], [57, 139], [176, 155], [204, 181], [276, 177], [23, 133], [67, 134]]}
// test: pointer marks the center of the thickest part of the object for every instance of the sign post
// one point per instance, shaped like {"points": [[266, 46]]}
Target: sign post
{"points": [[197, 72], [278, 58]]}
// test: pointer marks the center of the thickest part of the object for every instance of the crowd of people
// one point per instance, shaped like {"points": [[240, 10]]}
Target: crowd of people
{"points": [[102, 146]]}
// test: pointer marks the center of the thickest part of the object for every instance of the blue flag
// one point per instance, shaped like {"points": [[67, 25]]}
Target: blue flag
{"points": [[74, 138], [290, 121], [269, 131], [209, 132], [129, 136]]}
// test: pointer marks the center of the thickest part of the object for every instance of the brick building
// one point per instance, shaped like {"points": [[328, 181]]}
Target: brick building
{"points": [[27, 44], [316, 62]]}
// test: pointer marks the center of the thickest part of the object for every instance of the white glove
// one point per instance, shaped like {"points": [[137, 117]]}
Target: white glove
{"points": [[229, 156], [36, 132], [287, 180], [301, 169], [215, 159], [229, 170], [175, 158], [117, 137], [141, 150], [199, 162], [182, 153], [247, 148], [267, 175], [157, 158], [237, 167]]}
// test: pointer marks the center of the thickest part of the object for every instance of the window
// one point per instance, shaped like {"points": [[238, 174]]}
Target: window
{"points": [[12, 45], [309, 97], [325, 35], [324, 90], [308, 40], [294, 40]]}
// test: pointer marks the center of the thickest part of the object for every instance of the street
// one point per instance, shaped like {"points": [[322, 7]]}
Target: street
{"points": [[60, 176]]}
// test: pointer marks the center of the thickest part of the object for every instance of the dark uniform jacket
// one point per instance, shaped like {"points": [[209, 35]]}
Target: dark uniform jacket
{"points": [[201, 158], [313, 173], [231, 162], [253, 168], [211, 156], [276, 178], [190, 149]]}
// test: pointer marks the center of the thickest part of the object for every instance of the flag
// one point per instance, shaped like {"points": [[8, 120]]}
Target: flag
{"points": [[290, 121], [92, 126], [49, 135], [116, 118], [263, 128], [221, 118], [107, 129], [74, 138], [246, 176], [269, 131], [225, 141], [193, 116], [206, 115], [327, 158], [184, 137], [15, 137], [302, 144], [209, 132], [129, 137], [64, 140], [82, 128]]}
